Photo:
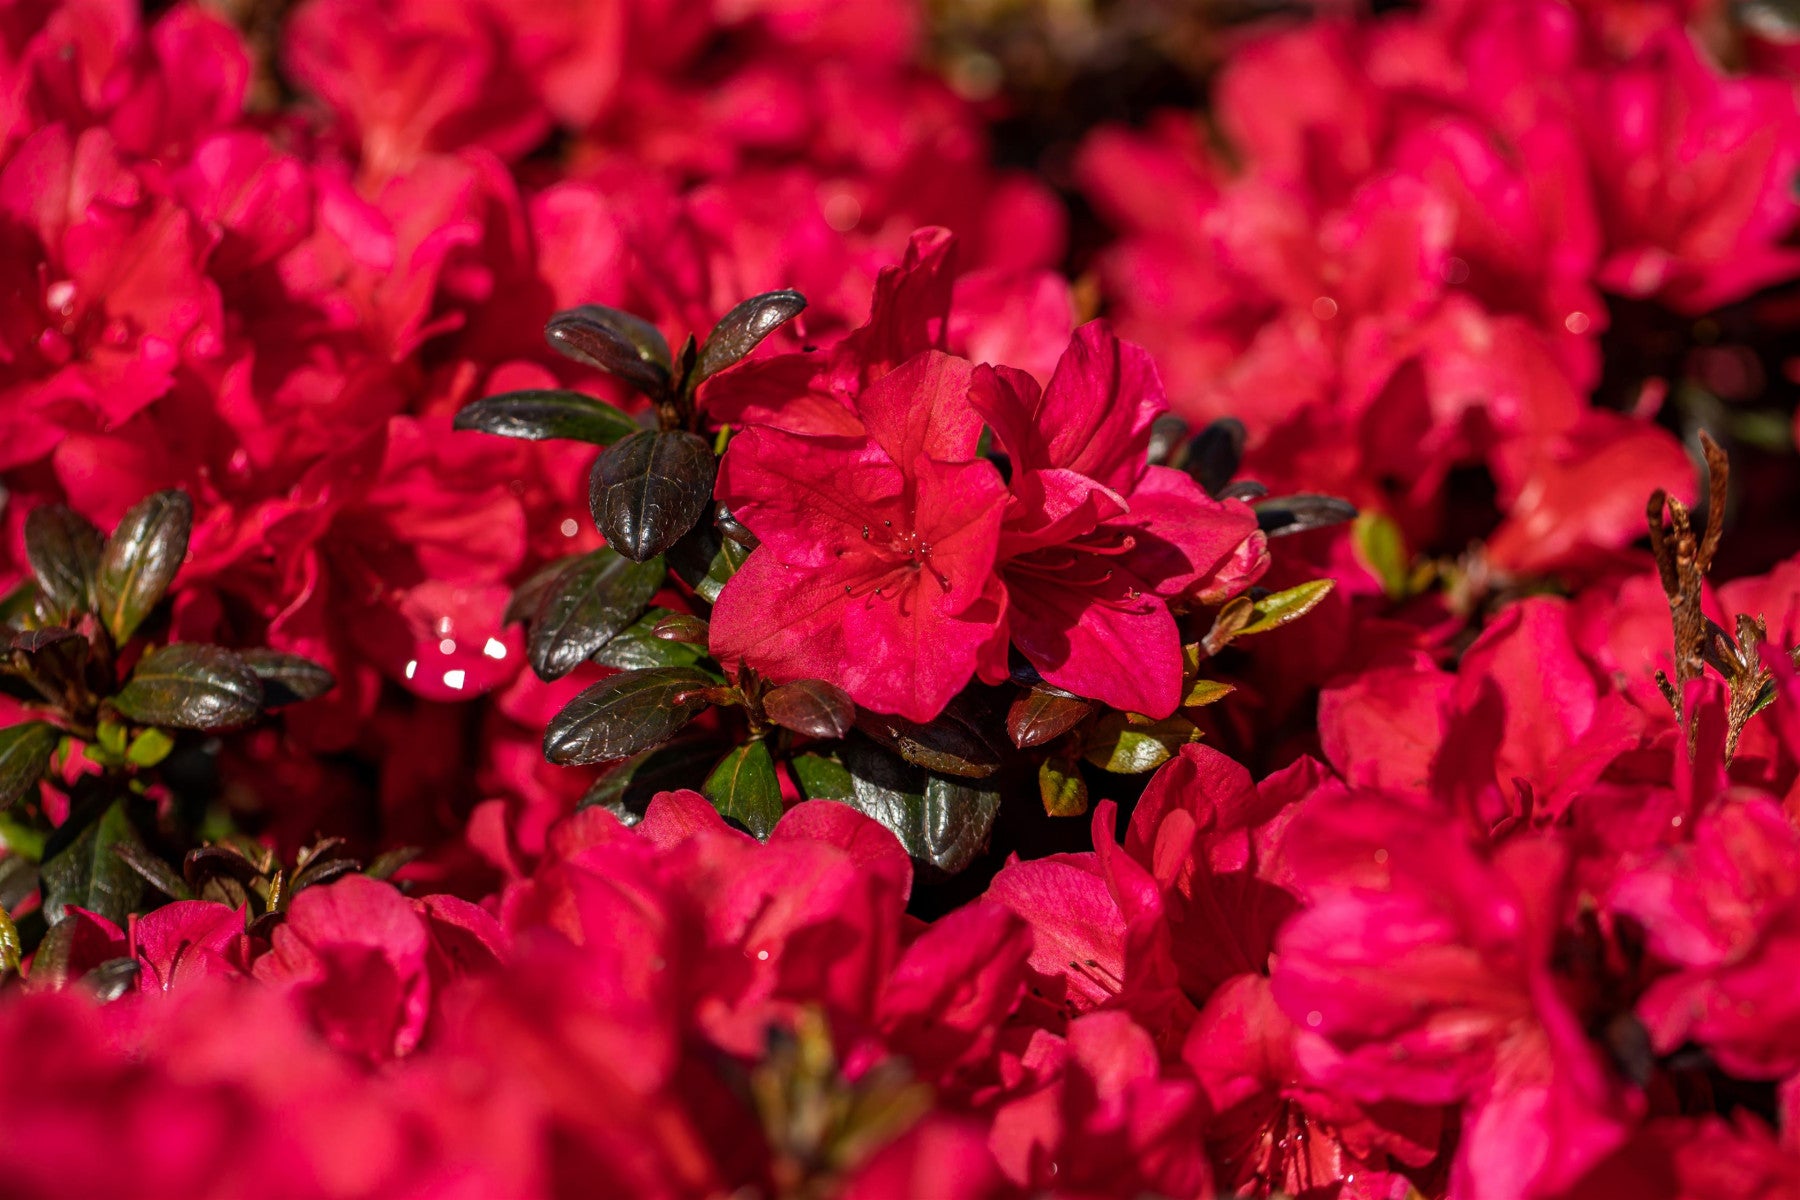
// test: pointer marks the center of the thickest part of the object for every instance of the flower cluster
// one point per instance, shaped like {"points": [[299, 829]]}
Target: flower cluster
{"points": [[595, 592]]}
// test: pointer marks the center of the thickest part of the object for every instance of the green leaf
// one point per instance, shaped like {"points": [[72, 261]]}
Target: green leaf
{"points": [[287, 678], [740, 330], [637, 647], [536, 415], [632, 711], [1278, 609], [617, 342], [944, 823], [63, 548], [1206, 691], [650, 489], [584, 607], [811, 706], [1118, 745], [707, 561], [627, 789], [1044, 714], [25, 752], [192, 686], [743, 787], [1381, 547], [86, 871], [140, 561], [149, 748], [390, 861], [1062, 789]]}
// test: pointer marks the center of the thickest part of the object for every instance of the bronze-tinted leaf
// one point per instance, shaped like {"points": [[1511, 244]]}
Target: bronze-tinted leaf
{"points": [[538, 414], [287, 678], [32, 641], [1044, 714], [63, 548], [591, 601], [616, 342], [390, 861], [650, 489], [111, 979], [952, 744], [744, 788], [140, 560], [154, 871], [526, 597], [632, 711], [1295, 514], [85, 870], [191, 686], [740, 330], [706, 561], [637, 647], [25, 751], [811, 706], [682, 627]]}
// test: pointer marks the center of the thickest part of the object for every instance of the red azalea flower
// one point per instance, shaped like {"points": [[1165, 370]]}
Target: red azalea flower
{"points": [[876, 568], [1096, 541]]}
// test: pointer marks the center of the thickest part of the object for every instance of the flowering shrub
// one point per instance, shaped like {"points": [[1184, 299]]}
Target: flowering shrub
{"points": [[596, 593]]}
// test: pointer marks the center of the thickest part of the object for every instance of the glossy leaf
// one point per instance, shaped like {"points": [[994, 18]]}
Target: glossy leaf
{"points": [[682, 627], [811, 706], [1118, 745], [944, 823], [616, 342], [191, 686], [1215, 454], [111, 979], [87, 872], [153, 870], [287, 678], [25, 751], [822, 778], [11, 951], [1296, 514], [742, 329], [705, 561], [632, 711], [1062, 789], [528, 595], [650, 489], [626, 789], [952, 744], [537, 415], [1278, 609], [584, 607], [63, 548], [744, 788], [637, 647], [140, 561], [1044, 714]]}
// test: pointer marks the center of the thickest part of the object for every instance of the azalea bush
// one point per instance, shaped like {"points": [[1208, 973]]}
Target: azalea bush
{"points": [[895, 599]]}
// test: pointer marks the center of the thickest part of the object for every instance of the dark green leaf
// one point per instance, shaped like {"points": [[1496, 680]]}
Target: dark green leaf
{"points": [[822, 778], [627, 789], [811, 706], [140, 560], [944, 823], [25, 751], [650, 489], [287, 678], [1296, 514], [20, 603], [157, 873], [744, 788], [1214, 454], [88, 873], [191, 686], [538, 414], [740, 330], [1044, 714], [616, 342], [637, 647], [63, 548], [952, 744], [389, 861], [596, 597], [111, 979], [706, 561], [632, 711]]}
